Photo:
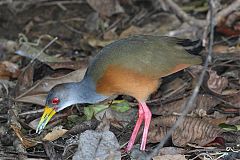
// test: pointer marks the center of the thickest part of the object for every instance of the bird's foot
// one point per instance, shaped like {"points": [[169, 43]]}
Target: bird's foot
{"points": [[143, 114], [136, 128]]}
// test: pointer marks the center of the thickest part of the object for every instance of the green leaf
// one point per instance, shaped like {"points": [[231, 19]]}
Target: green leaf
{"points": [[229, 127], [91, 110], [120, 106], [117, 105], [88, 112], [238, 126]]}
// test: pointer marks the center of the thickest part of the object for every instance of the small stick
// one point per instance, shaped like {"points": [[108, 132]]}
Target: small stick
{"points": [[183, 15]]}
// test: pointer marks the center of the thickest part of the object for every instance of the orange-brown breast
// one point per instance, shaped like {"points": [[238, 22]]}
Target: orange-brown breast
{"points": [[118, 80]]}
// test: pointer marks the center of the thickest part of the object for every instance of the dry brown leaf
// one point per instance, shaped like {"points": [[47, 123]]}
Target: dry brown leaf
{"points": [[203, 102], [234, 99], [74, 65], [8, 46], [171, 151], [93, 42], [170, 157], [132, 30], [218, 49], [229, 92], [155, 133], [8, 70], [164, 23], [30, 51], [216, 83], [224, 49], [174, 88], [25, 80], [229, 25], [117, 119], [27, 142], [110, 35], [195, 70], [38, 92], [55, 62], [216, 121], [106, 7], [192, 130], [28, 27], [55, 134]]}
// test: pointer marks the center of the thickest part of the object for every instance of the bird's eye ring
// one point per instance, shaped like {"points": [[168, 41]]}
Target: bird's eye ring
{"points": [[55, 100]]}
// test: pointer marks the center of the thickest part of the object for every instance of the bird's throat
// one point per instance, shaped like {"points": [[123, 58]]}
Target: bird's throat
{"points": [[86, 92]]}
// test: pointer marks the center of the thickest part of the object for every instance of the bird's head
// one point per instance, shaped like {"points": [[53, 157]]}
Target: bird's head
{"points": [[59, 97], [67, 94]]}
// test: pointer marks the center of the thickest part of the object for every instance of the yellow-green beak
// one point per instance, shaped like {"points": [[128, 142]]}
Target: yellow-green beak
{"points": [[47, 115]]}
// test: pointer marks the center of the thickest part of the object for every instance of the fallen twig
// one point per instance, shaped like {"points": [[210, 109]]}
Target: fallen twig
{"points": [[226, 11], [183, 15]]}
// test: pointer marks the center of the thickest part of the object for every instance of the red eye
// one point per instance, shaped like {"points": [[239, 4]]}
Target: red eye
{"points": [[55, 100]]}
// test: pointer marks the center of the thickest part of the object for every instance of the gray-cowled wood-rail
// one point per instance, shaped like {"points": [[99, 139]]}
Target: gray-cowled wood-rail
{"points": [[131, 66]]}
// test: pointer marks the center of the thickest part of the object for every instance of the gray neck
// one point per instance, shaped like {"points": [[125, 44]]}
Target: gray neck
{"points": [[86, 91]]}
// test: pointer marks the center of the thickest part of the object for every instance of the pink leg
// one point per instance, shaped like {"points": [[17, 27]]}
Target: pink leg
{"points": [[136, 128], [147, 120]]}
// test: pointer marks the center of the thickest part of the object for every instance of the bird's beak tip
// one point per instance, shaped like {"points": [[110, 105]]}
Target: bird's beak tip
{"points": [[47, 115]]}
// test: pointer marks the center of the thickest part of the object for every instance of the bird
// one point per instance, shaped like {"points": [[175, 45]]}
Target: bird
{"points": [[131, 66]]}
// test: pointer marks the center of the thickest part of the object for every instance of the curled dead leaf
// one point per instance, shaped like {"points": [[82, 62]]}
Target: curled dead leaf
{"points": [[8, 70], [37, 93], [191, 130], [216, 83], [55, 134], [27, 142]]}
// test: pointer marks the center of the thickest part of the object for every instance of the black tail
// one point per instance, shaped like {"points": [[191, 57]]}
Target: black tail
{"points": [[192, 47]]}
